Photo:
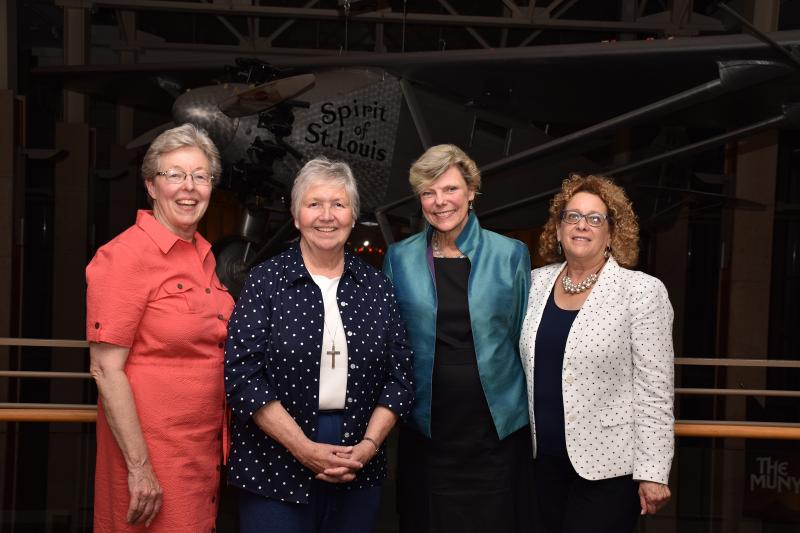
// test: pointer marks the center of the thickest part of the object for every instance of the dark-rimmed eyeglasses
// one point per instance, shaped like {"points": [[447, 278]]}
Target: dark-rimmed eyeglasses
{"points": [[593, 219], [175, 176]]}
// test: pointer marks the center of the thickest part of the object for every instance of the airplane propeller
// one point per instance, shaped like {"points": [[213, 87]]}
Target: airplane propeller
{"points": [[264, 96]]}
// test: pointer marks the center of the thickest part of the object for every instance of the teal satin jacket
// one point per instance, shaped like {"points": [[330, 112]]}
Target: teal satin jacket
{"points": [[500, 276]]}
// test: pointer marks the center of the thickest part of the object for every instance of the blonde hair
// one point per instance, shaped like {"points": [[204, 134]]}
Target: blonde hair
{"points": [[623, 225], [435, 162]]}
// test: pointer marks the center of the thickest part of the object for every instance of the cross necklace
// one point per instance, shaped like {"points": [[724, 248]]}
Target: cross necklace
{"points": [[333, 352]]}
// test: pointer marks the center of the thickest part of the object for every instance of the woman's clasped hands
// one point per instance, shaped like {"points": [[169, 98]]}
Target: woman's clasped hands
{"points": [[335, 464]]}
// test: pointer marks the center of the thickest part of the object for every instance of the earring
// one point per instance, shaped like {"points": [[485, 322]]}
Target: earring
{"points": [[607, 252], [470, 205], [559, 249]]}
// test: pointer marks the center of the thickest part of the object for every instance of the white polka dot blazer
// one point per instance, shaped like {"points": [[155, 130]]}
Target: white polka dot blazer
{"points": [[617, 377]]}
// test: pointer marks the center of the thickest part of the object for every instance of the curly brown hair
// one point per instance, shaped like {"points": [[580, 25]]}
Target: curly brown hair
{"points": [[623, 225]]}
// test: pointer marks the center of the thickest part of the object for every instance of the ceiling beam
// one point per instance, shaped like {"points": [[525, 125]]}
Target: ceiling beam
{"points": [[513, 8], [556, 4], [477, 36], [260, 46], [231, 28], [390, 17], [288, 24], [535, 34]]}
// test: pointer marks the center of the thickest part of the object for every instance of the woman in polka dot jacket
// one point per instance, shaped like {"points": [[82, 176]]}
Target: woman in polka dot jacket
{"points": [[597, 349], [317, 371]]}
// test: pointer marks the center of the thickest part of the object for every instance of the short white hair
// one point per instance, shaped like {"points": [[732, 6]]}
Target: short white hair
{"points": [[322, 169]]}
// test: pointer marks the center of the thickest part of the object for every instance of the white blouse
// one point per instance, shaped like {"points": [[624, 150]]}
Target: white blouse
{"points": [[333, 358]]}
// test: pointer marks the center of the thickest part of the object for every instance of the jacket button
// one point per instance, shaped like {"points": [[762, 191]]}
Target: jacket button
{"points": [[346, 434], [97, 325], [568, 379], [180, 285], [572, 417], [221, 317], [208, 291]]}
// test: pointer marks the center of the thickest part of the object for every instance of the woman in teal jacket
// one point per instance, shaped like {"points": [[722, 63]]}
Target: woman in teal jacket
{"points": [[462, 292]]}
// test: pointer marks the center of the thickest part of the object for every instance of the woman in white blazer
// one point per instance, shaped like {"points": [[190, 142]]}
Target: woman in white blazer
{"points": [[596, 346]]}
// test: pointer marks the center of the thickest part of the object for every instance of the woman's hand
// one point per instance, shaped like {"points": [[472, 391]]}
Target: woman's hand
{"points": [[107, 367], [380, 423], [324, 460], [652, 496], [363, 452], [334, 464], [146, 494]]}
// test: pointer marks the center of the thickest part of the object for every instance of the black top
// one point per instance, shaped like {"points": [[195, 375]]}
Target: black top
{"points": [[548, 404], [453, 326], [460, 416]]}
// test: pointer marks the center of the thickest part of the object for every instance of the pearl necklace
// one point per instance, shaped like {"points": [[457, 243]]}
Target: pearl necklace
{"points": [[577, 288]]}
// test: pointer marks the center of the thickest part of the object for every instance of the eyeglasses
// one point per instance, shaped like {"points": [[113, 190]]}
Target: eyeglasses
{"points": [[593, 219], [175, 176]]}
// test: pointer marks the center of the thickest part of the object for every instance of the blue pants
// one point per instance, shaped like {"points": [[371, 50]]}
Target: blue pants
{"points": [[330, 508]]}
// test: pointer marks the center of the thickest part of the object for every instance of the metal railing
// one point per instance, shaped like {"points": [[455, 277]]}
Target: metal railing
{"points": [[79, 413]]}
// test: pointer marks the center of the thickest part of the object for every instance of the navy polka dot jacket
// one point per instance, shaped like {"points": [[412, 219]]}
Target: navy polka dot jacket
{"points": [[273, 353]]}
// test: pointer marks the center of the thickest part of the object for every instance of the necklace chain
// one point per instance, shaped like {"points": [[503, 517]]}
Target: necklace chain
{"points": [[437, 249], [332, 334]]}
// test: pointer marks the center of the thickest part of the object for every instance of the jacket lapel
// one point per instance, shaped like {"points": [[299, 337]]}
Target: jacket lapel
{"points": [[543, 293]]}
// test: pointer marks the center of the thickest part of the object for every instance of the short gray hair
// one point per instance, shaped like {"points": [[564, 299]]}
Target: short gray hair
{"points": [[184, 136], [322, 169]]}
